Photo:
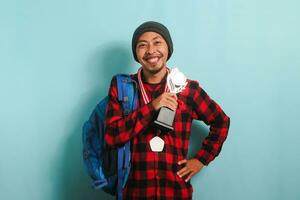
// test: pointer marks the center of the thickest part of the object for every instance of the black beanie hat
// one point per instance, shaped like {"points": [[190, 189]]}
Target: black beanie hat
{"points": [[152, 26]]}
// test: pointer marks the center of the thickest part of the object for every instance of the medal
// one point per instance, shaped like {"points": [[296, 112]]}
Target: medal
{"points": [[157, 144]]}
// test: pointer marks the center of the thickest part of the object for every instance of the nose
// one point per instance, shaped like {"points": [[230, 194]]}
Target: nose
{"points": [[151, 49]]}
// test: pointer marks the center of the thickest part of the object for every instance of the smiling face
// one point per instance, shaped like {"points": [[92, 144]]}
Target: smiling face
{"points": [[152, 52]]}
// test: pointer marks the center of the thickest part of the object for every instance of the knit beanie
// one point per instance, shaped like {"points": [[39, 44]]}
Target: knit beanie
{"points": [[152, 26]]}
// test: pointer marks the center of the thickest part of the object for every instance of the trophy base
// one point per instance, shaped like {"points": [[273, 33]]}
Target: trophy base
{"points": [[165, 126], [165, 118]]}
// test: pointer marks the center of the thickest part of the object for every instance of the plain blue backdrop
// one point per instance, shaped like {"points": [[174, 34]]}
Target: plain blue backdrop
{"points": [[57, 58]]}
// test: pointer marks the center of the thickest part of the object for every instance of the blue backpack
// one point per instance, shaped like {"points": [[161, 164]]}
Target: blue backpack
{"points": [[108, 167]]}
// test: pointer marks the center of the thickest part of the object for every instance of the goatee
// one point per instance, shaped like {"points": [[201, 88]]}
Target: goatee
{"points": [[155, 71]]}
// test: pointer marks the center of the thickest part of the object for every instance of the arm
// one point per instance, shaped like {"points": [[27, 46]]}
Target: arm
{"points": [[207, 110], [119, 129]]}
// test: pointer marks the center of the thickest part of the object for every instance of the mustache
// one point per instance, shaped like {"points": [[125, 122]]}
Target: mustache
{"points": [[147, 56]]}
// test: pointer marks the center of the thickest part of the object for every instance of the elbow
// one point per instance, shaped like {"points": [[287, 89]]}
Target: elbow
{"points": [[227, 121]]}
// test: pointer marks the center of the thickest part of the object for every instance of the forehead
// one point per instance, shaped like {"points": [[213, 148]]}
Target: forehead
{"points": [[148, 36]]}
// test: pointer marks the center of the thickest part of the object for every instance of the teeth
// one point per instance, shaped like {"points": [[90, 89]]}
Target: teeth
{"points": [[152, 60]]}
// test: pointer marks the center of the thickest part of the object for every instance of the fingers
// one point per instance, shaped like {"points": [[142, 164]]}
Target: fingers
{"points": [[173, 95], [165, 100], [184, 171], [182, 162], [190, 176], [171, 105], [170, 101], [192, 167]]}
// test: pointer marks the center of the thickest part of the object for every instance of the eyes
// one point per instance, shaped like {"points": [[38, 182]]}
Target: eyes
{"points": [[157, 42], [141, 45], [145, 44]]}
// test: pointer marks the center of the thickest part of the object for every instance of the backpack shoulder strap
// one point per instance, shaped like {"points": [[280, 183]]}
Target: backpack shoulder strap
{"points": [[127, 94]]}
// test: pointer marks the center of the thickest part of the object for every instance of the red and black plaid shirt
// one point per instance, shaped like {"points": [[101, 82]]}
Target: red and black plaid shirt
{"points": [[153, 174]]}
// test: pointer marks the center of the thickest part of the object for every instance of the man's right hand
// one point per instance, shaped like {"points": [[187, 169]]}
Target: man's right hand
{"points": [[165, 99]]}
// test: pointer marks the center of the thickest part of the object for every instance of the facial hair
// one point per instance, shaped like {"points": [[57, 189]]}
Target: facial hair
{"points": [[155, 71]]}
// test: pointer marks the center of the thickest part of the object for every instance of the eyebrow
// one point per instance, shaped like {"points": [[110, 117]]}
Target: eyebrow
{"points": [[157, 37]]}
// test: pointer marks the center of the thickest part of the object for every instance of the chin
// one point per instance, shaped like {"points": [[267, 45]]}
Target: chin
{"points": [[154, 69]]}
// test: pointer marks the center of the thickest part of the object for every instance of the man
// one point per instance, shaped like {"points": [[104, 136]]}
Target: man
{"points": [[165, 174]]}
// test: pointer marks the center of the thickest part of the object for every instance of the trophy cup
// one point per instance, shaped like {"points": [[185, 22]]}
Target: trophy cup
{"points": [[176, 82]]}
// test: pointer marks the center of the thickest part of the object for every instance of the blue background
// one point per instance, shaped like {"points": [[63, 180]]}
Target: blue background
{"points": [[57, 58]]}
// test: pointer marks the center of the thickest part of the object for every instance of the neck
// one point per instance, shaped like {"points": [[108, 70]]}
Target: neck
{"points": [[154, 78]]}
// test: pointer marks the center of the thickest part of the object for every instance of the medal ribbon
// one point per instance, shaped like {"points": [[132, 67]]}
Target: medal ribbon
{"points": [[143, 91]]}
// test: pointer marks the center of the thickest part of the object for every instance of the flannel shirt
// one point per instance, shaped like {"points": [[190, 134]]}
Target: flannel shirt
{"points": [[153, 174]]}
